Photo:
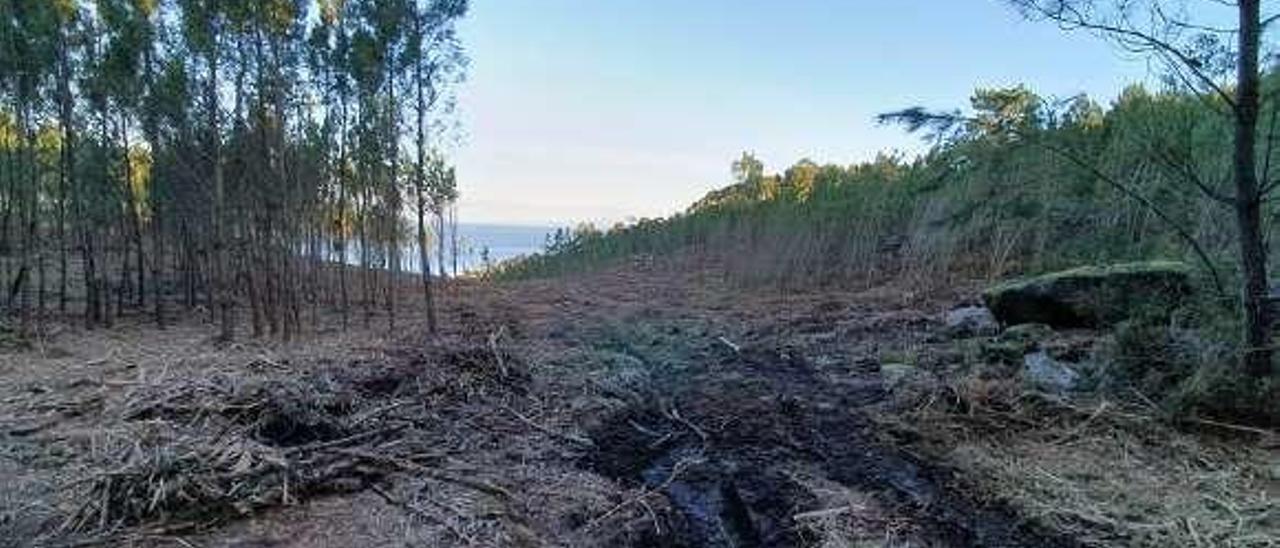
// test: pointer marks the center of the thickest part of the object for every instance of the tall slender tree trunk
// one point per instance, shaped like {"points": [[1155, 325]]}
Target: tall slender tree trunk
{"points": [[134, 216], [453, 236], [440, 240], [220, 290], [343, 235], [157, 261], [1253, 251], [65, 111], [420, 175], [393, 194], [67, 180], [10, 202], [22, 282]]}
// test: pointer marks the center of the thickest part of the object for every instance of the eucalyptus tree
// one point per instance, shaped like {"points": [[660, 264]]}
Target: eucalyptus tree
{"points": [[67, 35], [203, 23], [127, 28], [331, 51], [442, 190], [225, 145], [425, 97], [437, 60], [28, 47]]}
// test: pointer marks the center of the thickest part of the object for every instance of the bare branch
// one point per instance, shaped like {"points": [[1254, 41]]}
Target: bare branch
{"points": [[1189, 173], [1070, 18]]}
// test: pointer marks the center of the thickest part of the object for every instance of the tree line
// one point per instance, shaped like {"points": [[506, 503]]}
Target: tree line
{"points": [[218, 155]]}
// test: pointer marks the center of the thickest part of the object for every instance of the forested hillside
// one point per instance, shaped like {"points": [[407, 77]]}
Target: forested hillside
{"points": [[211, 154], [1026, 184]]}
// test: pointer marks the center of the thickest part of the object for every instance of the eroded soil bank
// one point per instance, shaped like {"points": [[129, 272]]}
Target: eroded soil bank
{"points": [[647, 405]]}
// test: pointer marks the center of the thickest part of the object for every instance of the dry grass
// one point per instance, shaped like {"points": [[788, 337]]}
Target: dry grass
{"points": [[845, 517], [1105, 473]]}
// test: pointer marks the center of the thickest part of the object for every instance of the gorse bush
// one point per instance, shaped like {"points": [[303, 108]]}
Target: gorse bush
{"points": [[982, 202]]}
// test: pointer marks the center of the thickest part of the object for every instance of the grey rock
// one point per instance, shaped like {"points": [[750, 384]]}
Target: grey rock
{"points": [[971, 321], [1040, 370]]}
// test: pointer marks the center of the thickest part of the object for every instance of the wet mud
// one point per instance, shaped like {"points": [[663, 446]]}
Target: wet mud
{"points": [[719, 442]]}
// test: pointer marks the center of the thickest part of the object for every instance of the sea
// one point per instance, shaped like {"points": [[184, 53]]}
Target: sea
{"points": [[478, 242]]}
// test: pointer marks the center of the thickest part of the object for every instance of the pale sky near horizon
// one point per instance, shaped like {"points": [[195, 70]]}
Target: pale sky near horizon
{"points": [[601, 110]]}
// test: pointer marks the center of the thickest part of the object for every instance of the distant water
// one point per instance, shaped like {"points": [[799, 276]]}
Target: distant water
{"points": [[502, 242], [476, 242]]}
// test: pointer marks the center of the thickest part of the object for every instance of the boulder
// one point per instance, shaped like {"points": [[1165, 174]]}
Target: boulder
{"points": [[971, 321], [1041, 371], [1092, 296]]}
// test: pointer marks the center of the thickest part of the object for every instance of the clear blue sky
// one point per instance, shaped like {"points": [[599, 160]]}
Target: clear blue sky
{"points": [[605, 109]]}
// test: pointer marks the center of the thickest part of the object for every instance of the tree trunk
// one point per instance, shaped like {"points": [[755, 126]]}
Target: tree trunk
{"points": [[220, 296], [440, 240], [1248, 207], [453, 237], [65, 112], [424, 252], [157, 261], [393, 193], [134, 216]]}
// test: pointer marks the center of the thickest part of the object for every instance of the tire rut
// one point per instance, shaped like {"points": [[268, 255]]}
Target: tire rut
{"points": [[718, 443]]}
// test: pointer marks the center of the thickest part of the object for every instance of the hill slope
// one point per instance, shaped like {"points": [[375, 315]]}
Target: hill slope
{"points": [[983, 201]]}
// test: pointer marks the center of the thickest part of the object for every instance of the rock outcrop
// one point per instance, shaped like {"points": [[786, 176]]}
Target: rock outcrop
{"points": [[1093, 296]]}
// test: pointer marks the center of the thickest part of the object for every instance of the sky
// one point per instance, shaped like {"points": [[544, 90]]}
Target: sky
{"points": [[608, 110]]}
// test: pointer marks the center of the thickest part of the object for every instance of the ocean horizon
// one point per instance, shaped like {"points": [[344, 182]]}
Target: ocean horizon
{"points": [[477, 242]]}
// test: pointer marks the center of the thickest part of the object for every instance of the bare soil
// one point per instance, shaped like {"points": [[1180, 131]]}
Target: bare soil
{"points": [[651, 404]]}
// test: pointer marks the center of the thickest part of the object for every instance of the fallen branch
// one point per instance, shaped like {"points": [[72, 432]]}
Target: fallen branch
{"points": [[1267, 435], [558, 435], [676, 470], [735, 348], [349, 440], [815, 514], [410, 466]]}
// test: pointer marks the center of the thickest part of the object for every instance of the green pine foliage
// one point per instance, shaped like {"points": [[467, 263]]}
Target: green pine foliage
{"points": [[993, 196]]}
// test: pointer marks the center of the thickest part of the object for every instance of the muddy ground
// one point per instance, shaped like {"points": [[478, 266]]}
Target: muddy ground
{"points": [[652, 404]]}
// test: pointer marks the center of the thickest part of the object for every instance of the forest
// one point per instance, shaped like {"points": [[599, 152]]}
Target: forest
{"points": [[982, 202], [166, 157]]}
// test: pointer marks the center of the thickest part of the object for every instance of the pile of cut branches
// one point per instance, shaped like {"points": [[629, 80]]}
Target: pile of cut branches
{"points": [[194, 451]]}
